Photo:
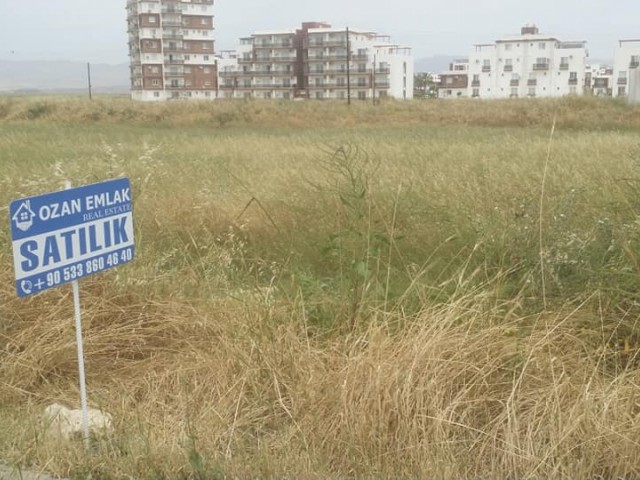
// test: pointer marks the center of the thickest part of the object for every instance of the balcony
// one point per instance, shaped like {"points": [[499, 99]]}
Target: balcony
{"points": [[328, 58], [539, 67], [173, 61], [326, 43], [508, 68], [172, 23], [383, 71], [486, 68], [171, 9], [174, 73], [633, 65], [564, 66], [532, 82], [271, 86], [287, 59], [175, 87], [622, 81], [173, 48], [268, 73], [269, 45], [514, 83], [382, 84], [172, 35]]}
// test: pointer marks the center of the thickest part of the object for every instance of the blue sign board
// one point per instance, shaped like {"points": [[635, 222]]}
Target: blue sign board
{"points": [[64, 236]]}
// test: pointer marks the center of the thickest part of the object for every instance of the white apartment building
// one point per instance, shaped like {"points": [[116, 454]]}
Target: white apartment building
{"points": [[527, 65], [171, 48], [318, 62], [626, 67], [599, 80], [454, 83]]}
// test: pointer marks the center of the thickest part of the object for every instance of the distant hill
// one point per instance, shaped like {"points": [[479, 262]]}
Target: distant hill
{"points": [[436, 64], [62, 76]]}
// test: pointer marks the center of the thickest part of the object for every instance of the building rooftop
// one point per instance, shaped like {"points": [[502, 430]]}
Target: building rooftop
{"points": [[274, 32]]}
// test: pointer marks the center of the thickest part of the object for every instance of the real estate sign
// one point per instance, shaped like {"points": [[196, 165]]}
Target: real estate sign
{"points": [[63, 236]]}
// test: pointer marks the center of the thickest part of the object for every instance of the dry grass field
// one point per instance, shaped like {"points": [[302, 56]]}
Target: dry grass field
{"points": [[410, 290]]}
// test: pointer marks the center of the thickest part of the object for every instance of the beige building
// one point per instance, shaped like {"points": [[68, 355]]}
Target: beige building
{"points": [[317, 61], [171, 48]]}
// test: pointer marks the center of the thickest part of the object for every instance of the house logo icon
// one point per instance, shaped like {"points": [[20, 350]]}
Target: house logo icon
{"points": [[23, 217]]}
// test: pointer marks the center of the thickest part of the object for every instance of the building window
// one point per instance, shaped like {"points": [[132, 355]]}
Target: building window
{"points": [[155, 82], [203, 21], [621, 91], [207, 70], [573, 78], [542, 46], [152, 19], [508, 46], [155, 70], [362, 67], [476, 92], [187, 69], [205, 46], [205, 58], [187, 83], [362, 82], [514, 92], [156, 94], [319, 95], [362, 95], [532, 91]]}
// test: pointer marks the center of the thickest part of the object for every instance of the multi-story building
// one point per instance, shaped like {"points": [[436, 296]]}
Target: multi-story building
{"points": [[172, 49], [626, 66], [454, 83], [599, 80], [319, 62], [527, 65]]}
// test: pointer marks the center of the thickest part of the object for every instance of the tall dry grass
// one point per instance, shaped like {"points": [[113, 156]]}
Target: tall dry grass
{"points": [[572, 112], [319, 297], [462, 390]]}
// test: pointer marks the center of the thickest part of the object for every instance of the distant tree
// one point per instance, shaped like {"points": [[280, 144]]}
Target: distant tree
{"points": [[424, 86]]}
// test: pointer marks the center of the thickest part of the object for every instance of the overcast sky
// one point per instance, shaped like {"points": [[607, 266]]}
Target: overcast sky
{"points": [[95, 30]]}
